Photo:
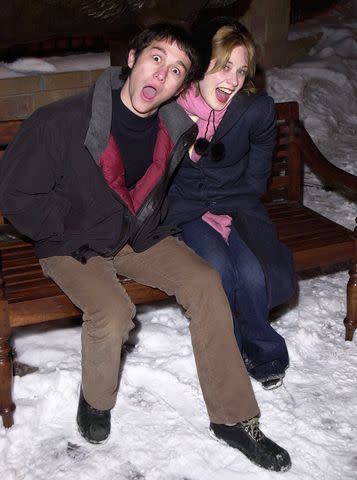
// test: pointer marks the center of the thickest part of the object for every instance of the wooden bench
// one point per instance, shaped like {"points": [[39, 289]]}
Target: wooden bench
{"points": [[27, 297]]}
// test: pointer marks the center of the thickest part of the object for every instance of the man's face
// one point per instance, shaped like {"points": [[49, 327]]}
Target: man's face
{"points": [[157, 75]]}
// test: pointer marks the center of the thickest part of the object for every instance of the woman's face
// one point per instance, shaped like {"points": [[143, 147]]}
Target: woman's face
{"points": [[218, 89]]}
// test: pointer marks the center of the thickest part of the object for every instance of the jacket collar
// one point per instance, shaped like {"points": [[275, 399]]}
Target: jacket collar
{"points": [[101, 118], [176, 121], [173, 116], [238, 106]]}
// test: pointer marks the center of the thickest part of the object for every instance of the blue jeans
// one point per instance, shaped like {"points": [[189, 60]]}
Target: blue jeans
{"points": [[263, 349]]}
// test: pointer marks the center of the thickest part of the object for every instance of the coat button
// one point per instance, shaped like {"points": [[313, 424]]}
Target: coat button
{"points": [[200, 185]]}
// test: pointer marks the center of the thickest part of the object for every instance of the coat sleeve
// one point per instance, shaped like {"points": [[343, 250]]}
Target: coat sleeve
{"points": [[31, 177], [262, 139]]}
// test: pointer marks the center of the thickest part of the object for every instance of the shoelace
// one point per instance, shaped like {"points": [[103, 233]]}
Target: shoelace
{"points": [[252, 427]]}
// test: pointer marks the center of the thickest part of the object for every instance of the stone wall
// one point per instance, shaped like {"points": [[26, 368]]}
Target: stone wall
{"points": [[268, 20], [20, 96]]}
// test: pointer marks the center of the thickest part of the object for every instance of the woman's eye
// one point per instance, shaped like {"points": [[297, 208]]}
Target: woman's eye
{"points": [[226, 68], [176, 71]]}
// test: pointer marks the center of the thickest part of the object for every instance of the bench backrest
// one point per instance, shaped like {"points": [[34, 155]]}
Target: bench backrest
{"points": [[286, 179], [285, 184]]}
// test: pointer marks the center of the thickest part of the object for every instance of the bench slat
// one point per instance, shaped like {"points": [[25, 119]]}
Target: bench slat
{"points": [[321, 257], [308, 227], [49, 290], [137, 292], [15, 272], [297, 244], [22, 277], [18, 253], [15, 263]]}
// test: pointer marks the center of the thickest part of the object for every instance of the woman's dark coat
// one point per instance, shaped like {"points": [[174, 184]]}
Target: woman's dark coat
{"points": [[234, 185]]}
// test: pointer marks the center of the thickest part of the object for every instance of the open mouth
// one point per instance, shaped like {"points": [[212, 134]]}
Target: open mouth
{"points": [[223, 94], [149, 92]]}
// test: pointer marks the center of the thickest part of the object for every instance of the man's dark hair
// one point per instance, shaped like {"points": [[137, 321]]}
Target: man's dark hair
{"points": [[170, 33]]}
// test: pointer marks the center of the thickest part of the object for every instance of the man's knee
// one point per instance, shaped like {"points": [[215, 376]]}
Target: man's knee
{"points": [[204, 280], [113, 320]]}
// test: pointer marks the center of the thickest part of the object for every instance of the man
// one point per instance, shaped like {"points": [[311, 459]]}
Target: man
{"points": [[86, 180]]}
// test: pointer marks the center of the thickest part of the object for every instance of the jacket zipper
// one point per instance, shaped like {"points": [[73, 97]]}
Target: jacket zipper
{"points": [[151, 194]]}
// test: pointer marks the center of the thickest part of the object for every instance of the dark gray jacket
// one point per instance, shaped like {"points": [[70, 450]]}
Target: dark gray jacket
{"points": [[51, 184]]}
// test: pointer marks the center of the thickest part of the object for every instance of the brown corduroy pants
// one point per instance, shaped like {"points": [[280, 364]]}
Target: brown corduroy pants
{"points": [[108, 312]]}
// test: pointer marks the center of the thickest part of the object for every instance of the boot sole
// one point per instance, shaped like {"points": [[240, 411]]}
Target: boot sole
{"points": [[93, 442]]}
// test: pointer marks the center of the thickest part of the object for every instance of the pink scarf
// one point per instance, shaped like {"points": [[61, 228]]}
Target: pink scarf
{"points": [[208, 119]]}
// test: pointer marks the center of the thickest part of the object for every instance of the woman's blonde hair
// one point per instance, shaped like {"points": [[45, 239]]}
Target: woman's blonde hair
{"points": [[225, 40]]}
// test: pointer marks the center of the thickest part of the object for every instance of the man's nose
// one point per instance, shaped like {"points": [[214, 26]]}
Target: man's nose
{"points": [[161, 74]]}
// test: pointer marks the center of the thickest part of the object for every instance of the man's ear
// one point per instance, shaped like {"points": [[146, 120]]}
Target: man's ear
{"points": [[131, 58]]}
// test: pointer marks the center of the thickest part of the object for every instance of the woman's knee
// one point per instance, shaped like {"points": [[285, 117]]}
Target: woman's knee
{"points": [[217, 258], [251, 274]]}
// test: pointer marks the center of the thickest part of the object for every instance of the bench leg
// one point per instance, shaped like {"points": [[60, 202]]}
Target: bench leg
{"points": [[351, 317], [7, 406]]}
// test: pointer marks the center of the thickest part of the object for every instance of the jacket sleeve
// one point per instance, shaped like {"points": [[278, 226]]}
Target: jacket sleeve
{"points": [[262, 139], [31, 177]]}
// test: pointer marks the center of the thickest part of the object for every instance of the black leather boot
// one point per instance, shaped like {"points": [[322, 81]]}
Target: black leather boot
{"points": [[250, 440], [93, 424]]}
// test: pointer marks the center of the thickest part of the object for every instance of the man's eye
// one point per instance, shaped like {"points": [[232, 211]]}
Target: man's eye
{"points": [[157, 58], [176, 71]]}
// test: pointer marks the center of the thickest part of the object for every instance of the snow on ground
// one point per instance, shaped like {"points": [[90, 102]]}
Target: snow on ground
{"points": [[160, 425]]}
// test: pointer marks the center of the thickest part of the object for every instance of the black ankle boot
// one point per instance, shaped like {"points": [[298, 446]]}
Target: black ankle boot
{"points": [[250, 440], [93, 424], [270, 374], [272, 383]]}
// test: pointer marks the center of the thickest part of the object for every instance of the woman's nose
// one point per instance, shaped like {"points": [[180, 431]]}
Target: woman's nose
{"points": [[234, 79]]}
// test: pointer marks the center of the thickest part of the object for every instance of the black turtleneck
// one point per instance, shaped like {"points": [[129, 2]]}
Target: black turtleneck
{"points": [[135, 137]]}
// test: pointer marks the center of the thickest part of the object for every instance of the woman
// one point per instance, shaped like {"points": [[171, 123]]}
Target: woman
{"points": [[215, 196]]}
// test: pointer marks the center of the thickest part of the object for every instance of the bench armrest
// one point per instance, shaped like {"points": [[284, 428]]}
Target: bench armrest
{"points": [[317, 161]]}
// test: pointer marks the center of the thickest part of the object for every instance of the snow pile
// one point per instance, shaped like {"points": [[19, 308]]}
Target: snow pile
{"points": [[325, 85], [66, 63], [29, 65], [160, 425]]}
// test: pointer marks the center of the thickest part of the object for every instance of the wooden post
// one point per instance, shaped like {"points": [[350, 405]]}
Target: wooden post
{"points": [[7, 406], [351, 317]]}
